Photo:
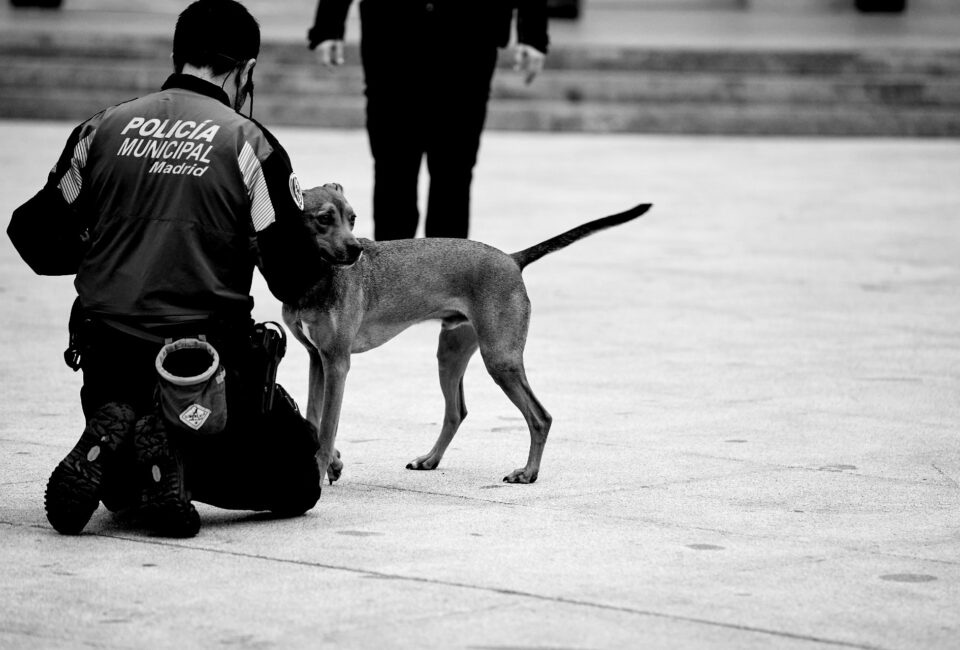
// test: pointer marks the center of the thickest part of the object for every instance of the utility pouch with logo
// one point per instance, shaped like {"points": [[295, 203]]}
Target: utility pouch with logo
{"points": [[192, 390]]}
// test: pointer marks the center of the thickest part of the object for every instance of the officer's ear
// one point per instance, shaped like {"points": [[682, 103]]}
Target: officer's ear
{"points": [[244, 81], [247, 72]]}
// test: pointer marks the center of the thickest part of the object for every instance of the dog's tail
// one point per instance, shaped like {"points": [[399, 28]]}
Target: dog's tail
{"points": [[532, 254]]}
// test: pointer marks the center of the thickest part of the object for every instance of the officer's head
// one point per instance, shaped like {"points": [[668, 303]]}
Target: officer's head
{"points": [[222, 36]]}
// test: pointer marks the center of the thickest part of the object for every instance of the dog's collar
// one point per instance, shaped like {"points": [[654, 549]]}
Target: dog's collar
{"points": [[197, 85]]}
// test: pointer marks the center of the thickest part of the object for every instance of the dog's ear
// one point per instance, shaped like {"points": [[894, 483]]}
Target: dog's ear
{"points": [[312, 199], [334, 186]]}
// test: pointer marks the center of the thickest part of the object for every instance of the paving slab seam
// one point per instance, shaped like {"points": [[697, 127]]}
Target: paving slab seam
{"points": [[546, 498], [946, 476], [841, 551], [764, 469], [693, 454], [596, 443], [441, 616], [641, 520], [73, 641], [652, 522], [38, 481], [33, 443], [808, 468], [886, 419], [602, 517], [501, 591], [462, 497], [736, 534], [660, 522], [883, 479], [900, 556]]}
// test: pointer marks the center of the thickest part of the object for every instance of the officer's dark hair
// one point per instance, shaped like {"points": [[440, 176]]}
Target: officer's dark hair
{"points": [[220, 34]]}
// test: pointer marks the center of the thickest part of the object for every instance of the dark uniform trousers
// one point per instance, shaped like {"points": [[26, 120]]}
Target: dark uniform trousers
{"points": [[428, 69], [260, 462]]}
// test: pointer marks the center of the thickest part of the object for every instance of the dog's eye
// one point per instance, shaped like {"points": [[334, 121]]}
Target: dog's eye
{"points": [[325, 218], [353, 220]]}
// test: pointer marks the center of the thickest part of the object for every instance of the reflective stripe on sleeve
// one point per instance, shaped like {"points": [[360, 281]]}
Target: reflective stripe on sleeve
{"points": [[261, 208], [71, 182]]}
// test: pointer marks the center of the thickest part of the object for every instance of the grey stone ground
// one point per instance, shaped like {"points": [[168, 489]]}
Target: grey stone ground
{"points": [[755, 391]]}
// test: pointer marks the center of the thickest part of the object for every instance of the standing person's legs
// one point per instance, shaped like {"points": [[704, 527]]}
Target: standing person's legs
{"points": [[391, 51], [396, 169], [459, 113]]}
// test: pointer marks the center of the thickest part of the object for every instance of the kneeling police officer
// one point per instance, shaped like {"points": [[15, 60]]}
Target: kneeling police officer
{"points": [[162, 206]]}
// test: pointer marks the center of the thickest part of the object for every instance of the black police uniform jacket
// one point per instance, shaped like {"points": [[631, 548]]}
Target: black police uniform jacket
{"points": [[162, 206]]}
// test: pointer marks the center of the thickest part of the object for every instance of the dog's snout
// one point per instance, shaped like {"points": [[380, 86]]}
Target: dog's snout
{"points": [[354, 251]]}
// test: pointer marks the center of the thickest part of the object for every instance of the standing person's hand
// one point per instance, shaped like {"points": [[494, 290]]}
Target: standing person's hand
{"points": [[330, 53], [528, 60]]}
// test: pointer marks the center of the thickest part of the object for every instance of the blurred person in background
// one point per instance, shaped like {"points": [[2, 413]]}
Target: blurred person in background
{"points": [[428, 65]]}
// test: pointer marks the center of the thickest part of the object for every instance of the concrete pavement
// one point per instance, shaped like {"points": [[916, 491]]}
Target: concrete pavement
{"points": [[755, 399]]}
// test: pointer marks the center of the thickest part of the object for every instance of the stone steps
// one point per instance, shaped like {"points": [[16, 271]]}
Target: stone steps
{"points": [[572, 86], [604, 89]]}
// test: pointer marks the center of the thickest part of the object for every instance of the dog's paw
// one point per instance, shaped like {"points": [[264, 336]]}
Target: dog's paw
{"points": [[520, 476], [335, 469], [427, 462]]}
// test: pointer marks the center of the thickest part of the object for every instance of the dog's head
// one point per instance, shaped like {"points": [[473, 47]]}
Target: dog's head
{"points": [[330, 218]]}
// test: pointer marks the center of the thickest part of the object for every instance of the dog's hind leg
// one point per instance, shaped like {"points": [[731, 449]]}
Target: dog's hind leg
{"points": [[457, 344], [510, 376], [502, 335]]}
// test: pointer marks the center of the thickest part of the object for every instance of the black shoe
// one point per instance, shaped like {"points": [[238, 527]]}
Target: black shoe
{"points": [[165, 505], [74, 489]]}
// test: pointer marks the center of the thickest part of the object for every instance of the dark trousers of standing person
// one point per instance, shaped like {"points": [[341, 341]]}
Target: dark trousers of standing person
{"points": [[427, 86], [260, 462]]}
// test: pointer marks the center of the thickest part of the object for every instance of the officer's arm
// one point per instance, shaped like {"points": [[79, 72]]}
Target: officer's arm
{"points": [[50, 230], [289, 257]]}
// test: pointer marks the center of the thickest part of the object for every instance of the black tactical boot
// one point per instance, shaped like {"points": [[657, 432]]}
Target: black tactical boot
{"points": [[122, 488], [165, 504], [74, 489]]}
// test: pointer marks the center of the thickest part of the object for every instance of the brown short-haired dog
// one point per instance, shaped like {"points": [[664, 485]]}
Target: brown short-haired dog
{"points": [[375, 290]]}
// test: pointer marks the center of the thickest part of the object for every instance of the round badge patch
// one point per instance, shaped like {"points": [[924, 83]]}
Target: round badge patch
{"points": [[295, 190]]}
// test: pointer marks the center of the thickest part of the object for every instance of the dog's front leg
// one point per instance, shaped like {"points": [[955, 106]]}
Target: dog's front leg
{"points": [[315, 390], [336, 365], [315, 412]]}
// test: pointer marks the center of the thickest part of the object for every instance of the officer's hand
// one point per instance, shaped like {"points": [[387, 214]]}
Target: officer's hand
{"points": [[330, 53], [529, 60]]}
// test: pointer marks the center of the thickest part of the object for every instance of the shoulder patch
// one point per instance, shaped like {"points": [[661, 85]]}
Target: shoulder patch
{"points": [[295, 190]]}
